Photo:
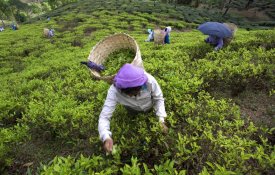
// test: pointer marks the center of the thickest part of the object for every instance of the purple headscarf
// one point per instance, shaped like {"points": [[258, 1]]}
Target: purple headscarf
{"points": [[130, 76]]}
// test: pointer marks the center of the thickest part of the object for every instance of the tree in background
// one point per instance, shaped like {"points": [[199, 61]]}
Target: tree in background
{"points": [[248, 3], [5, 11], [21, 10], [227, 7], [38, 9], [237, 4], [57, 3], [221, 4], [13, 10]]}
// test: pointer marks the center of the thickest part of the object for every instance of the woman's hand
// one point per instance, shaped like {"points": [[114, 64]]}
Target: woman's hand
{"points": [[108, 145], [164, 128]]}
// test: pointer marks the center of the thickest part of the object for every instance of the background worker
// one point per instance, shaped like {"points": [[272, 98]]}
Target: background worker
{"points": [[167, 31], [218, 33], [150, 36]]}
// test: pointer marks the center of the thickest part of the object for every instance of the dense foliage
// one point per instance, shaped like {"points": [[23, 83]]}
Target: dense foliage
{"points": [[195, 11], [49, 105]]}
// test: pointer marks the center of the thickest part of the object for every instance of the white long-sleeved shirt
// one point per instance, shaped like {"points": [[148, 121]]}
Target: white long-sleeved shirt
{"points": [[149, 97], [150, 36]]}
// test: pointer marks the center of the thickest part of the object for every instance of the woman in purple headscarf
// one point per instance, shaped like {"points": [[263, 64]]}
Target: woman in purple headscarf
{"points": [[136, 90]]}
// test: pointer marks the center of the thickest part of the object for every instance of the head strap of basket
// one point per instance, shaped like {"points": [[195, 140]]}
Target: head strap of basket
{"points": [[159, 36], [233, 27], [110, 44]]}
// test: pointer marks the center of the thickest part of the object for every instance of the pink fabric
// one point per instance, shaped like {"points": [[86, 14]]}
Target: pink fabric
{"points": [[130, 76]]}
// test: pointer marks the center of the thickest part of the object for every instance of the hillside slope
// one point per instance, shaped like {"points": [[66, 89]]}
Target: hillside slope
{"points": [[163, 12]]}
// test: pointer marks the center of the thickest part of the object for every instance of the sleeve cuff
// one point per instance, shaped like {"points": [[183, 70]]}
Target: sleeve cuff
{"points": [[104, 137], [161, 119]]}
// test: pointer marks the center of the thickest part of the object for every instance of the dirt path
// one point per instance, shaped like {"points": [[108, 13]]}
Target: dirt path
{"points": [[257, 106], [252, 14]]}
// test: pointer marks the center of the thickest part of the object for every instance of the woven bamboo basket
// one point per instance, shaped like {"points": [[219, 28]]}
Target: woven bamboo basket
{"points": [[110, 44], [233, 27], [46, 32], [159, 36]]}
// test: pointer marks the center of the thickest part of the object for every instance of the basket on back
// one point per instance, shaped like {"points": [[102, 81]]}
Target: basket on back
{"points": [[110, 44], [159, 36], [233, 27]]}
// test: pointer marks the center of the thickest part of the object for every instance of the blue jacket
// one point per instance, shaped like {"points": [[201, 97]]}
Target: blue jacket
{"points": [[167, 39], [216, 41]]}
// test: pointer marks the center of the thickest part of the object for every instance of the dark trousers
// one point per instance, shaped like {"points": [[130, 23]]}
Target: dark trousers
{"points": [[133, 112]]}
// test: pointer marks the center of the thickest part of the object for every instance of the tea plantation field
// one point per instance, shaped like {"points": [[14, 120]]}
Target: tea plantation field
{"points": [[220, 104]]}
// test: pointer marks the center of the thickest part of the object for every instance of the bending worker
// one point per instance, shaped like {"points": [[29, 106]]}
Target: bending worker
{"points": [[220, 34], [136, 90], [48, 32], [150, 36]]}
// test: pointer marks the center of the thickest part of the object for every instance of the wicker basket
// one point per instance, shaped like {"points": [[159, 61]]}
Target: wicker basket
{"points": [[110, 44], [46, 32], [159, 36], [233, 27]]}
